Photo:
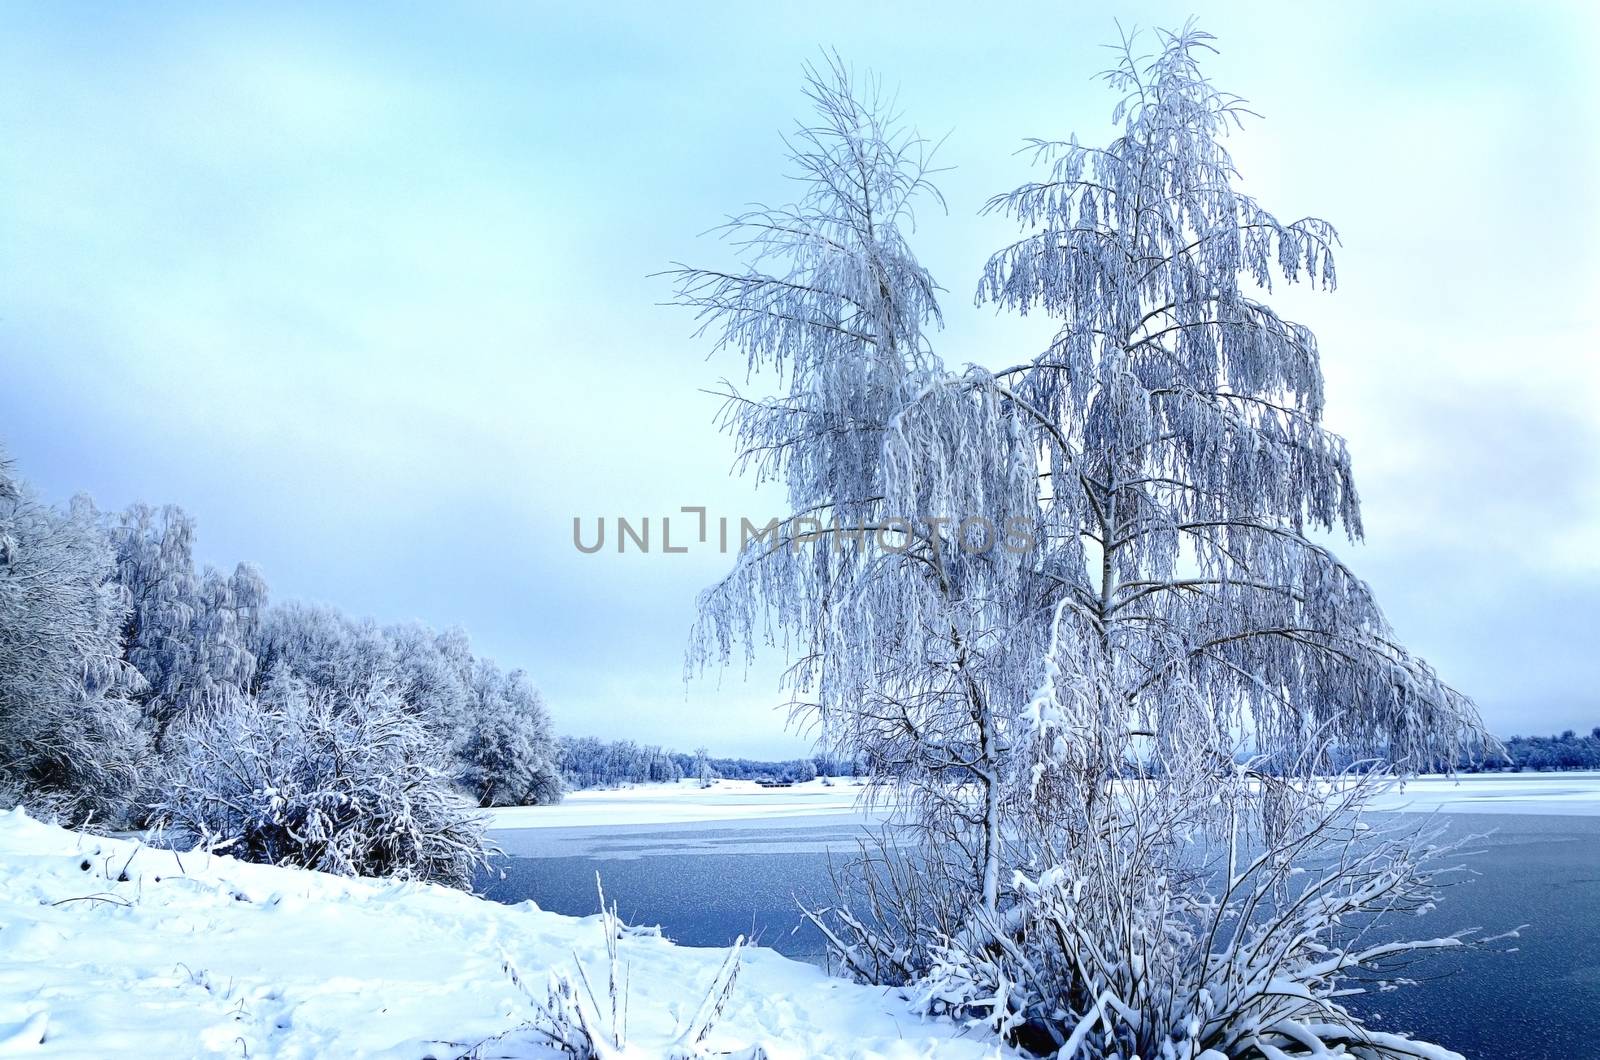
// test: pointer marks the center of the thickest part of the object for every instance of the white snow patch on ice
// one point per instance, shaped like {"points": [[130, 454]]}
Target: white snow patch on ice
{"points": [[1575, 794], [683, 802]]}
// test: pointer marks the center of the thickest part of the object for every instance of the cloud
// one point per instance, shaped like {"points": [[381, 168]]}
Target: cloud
{"points": [[369, 293]]}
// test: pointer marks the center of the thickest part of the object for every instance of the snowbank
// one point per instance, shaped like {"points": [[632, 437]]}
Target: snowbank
{"points": [[112, 948]]}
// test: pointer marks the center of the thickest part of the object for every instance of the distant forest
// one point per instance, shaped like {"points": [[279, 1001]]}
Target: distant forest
{"points": [[588, 762], [1544, 753]]}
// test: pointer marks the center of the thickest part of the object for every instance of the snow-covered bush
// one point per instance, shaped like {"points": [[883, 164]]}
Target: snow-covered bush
{"points": [[1163, 927], [1184, 905], [355, 787]]}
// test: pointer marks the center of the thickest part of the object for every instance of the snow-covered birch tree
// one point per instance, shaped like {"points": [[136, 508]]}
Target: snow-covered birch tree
{"points": [[1175, 612], [1181, 418], [911, 649], [187, 633], [1204, 634]]}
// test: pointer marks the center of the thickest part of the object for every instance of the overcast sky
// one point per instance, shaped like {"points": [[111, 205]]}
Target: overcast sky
{"points": [[368, 293]]}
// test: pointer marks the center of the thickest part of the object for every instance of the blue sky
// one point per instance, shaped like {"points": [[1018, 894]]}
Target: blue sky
{"points": [[368, 291]]}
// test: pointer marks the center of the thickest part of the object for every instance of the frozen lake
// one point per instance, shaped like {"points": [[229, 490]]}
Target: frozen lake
{"points": [[666, 858]]}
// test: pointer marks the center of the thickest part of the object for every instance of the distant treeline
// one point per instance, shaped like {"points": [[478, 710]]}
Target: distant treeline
{"points": [[1544, 753], [588, 762]]}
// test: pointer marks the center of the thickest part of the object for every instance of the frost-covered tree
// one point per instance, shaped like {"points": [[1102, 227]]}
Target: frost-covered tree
{"points": [[1155, 598], [70, 741], [187, 633], [155, 564], [662, 768], [111, 641], [432, 672], [329, 651], [508, 755], [495, 724], [1186, 461], [913, 651], [227, 617], [587, 762]]}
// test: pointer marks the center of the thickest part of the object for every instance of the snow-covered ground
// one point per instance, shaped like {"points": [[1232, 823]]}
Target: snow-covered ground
{"points": [[196, 955]]}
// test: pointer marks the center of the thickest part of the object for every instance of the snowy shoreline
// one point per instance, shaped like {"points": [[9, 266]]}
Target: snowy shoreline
{"points": [[196, 955], [110, 947]]}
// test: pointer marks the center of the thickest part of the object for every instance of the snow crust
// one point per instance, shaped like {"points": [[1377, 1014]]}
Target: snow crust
{"points": [[201, 955]]}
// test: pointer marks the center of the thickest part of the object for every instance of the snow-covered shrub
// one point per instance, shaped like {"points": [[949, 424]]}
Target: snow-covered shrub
{"points": [[70, 743], [356, 787], [897, 904], [1191, 908], [1163, 926]]}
